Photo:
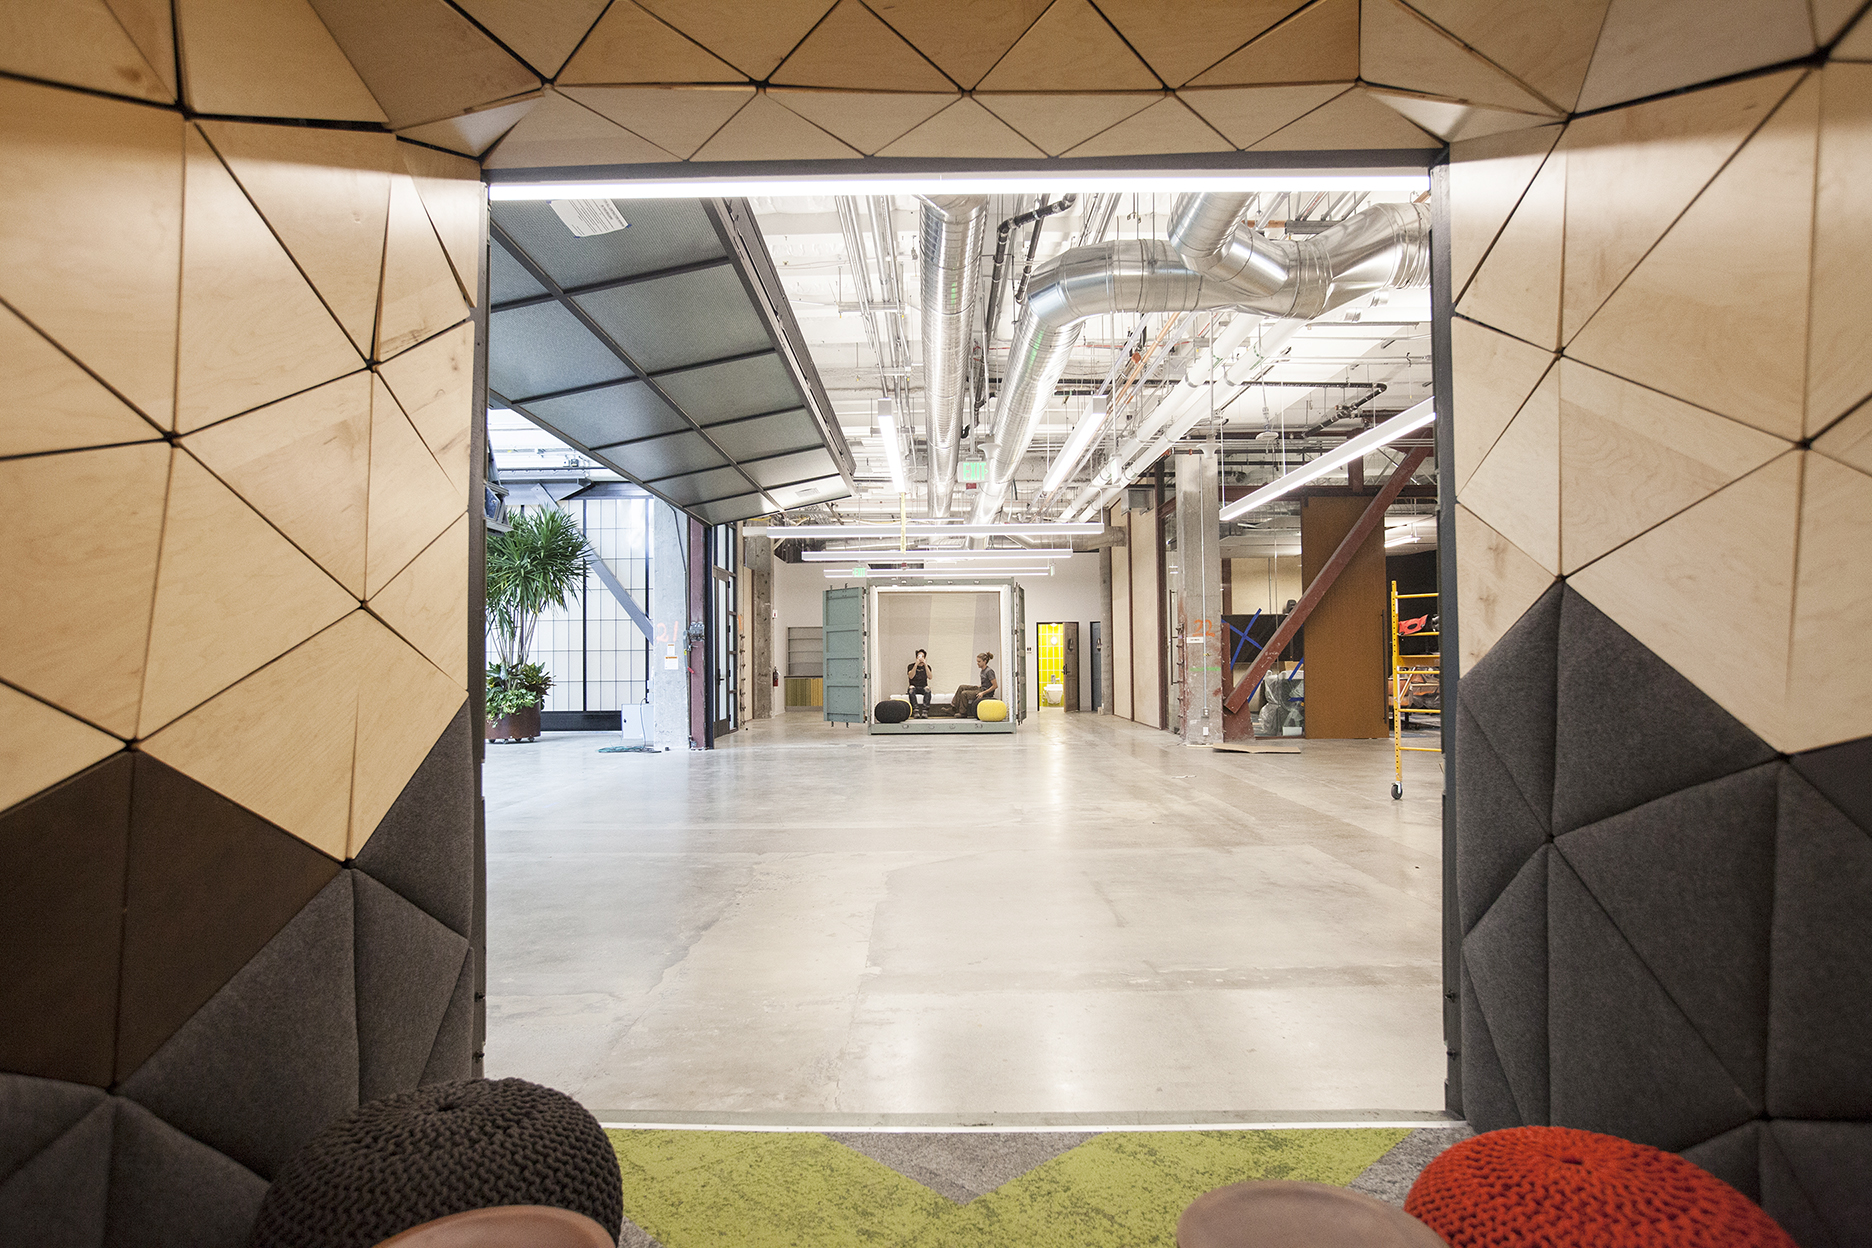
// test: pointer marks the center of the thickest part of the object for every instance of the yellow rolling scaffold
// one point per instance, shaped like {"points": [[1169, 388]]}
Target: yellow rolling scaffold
{"points": [[1410, 673]]}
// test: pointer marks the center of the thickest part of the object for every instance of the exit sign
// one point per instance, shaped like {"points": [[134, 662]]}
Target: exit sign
{"points": [[972, 470]]}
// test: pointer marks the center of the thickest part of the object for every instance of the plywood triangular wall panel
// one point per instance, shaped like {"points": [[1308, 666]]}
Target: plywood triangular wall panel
{"points": [[681, 119], [1168, 125], [1634, 170], [267, 58], [1355, 120], [850, 47], [304, 464], [1690, 319], [82, 43], [1399, 48], [475, 131], [326, 195], [1661, 45], [40, 746], [1496, 584], [1493, 376], [281, 741], [963, 50], [1517, 287], [407, 704], [93, 202], [964, 129], [231, 594], [1246, 115], [421, 297], [1516, 487], [251, 329], [560, 131], [1069, 48], [434, 385], [1839, 352], [411, 498], [1488, 177], [422, 60], [868, 120], [53, 405], [629, 44], [426, 606], [79, 567], [752, 35], [1201, 32], [1829, 688], [451, 193], [1710, 591], [1547, 46], [1631, 458], [1320, 43], [1850, 440], [543, 34], [764, 129]]}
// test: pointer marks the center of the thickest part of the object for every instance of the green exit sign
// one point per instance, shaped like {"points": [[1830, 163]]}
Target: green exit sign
{"points": [[975, 470]]}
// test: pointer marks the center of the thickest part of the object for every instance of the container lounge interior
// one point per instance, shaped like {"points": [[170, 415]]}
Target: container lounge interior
{"points": [[897, 592]]}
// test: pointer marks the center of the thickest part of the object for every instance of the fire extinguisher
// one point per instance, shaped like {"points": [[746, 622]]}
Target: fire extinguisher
{"points": [[776, 678]]}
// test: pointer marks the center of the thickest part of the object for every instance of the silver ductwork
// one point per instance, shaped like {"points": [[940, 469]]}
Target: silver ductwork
{"points": [[1211, 260], [952, 228]]}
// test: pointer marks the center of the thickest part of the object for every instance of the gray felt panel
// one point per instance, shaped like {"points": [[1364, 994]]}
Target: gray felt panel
{"points": [[1689, 880], [1843, 774], [1488, 1103], [56, 1200], [663, 233], [272, 1058], [424, 847], [167, 1189], [61, 924], [1506, 955], [1511, 693], [1625, 1060], [407, 965], [1832, 1164], [452, 1056], [1820, 1040], [1786, 1200], [1630, 728], [1496, 831], [1734, 1157], [34, 1112]]}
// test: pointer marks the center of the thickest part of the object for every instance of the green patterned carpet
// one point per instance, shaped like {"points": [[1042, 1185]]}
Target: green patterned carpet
{"points": [[742, 1189]]}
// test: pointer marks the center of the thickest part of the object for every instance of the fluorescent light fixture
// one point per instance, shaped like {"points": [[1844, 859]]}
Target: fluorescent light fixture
{"points": [[1077, 444], [1408, 421], [927, 574], [1028, 182], [893, 445], [890, 554], [919, 528]]}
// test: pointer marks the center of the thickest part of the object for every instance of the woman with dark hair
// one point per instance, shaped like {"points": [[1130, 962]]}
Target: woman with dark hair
{"points": [[920, 674], [968, 695]]}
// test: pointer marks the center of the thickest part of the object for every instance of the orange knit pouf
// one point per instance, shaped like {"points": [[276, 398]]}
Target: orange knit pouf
{"points": [[1556, 1185]]}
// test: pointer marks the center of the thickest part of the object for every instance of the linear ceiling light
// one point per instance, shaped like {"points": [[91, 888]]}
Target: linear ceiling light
{"points": [[874, 532], [1028, 182], [1408, 421], [926, 574], [1077, 444], [893, 445], [888, 554]]}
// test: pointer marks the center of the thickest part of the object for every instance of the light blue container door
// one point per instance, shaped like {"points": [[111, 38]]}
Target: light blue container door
{"points": [[845, 655]]}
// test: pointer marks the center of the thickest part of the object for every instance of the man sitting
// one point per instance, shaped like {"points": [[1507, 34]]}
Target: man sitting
{"points": [[920, 674]]}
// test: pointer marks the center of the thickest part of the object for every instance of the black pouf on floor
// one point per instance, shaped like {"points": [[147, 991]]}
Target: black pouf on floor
{"points": [[891, 711], [407, 1159]]}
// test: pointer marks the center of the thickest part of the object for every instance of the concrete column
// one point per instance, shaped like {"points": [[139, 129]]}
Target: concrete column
{"points": [[669, 614], [758, 679], [1107, 668], [1199, 606]]}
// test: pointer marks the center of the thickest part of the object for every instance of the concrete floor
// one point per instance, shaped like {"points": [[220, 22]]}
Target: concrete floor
{"points": [[1085, 922]]}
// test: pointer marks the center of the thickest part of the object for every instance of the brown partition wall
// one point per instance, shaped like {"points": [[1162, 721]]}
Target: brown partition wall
{"points": [[1345, 635]]}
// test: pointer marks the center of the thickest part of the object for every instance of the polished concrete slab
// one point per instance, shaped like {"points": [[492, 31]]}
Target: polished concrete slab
{"points": [[1084, 922]]}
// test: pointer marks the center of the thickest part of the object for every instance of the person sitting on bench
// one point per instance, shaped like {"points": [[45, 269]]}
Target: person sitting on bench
{"points": [[968, 695], [919, 685]]}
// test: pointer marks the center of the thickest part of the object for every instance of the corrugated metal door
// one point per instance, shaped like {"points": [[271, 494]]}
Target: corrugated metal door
{"points": [[845, 655], [1017, 655]]}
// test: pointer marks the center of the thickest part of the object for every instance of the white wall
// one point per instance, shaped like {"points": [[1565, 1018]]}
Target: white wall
{"points": [[1071, 593], [798, 599]]}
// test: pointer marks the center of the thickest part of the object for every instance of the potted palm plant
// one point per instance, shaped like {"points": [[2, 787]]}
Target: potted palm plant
{"points": [[532, 567]]}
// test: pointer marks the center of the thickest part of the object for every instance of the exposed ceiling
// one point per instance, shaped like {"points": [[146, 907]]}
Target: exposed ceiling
{"points": [[662, 350]]}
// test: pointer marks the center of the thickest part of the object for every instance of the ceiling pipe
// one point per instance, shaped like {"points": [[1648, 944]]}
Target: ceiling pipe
{"points": [[1218, 262], [951, 227]]}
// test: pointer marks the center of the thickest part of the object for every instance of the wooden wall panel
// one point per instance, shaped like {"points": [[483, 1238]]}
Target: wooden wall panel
{"points": [[1346, 634]]}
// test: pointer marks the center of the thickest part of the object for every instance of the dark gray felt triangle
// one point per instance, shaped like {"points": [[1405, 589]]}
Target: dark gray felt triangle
{"points": [[1624, 1059], [1832, 1163], [1511, 693], [407, 967], [37, 1111], [423, 847], [1820, 1038], [1689, 880], [272, 1057], [1630, 728], [1786, 1199], [1488, 1103], [1496, 830], [56, 1200], [1843, 774], [1734, 1157], [451, 1057], [166, 1188], [1506, 955]]}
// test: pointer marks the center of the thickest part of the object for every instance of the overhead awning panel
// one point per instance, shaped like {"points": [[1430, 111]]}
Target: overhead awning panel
{"points": [[620, 413], [542, 349], [683, 319]]}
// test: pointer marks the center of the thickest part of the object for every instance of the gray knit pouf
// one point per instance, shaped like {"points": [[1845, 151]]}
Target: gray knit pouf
{"points": [[407, 1159]]}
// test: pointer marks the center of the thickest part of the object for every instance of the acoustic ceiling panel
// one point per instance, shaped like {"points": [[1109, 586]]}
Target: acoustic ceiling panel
{"points": [[680, 320], [671, 456], [1246, 115], [543, 349], [601, 418], [767, 130], [963, 50], [732, 389]]}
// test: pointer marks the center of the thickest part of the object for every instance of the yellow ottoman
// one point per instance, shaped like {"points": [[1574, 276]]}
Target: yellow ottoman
{"points": [[991, 710]]}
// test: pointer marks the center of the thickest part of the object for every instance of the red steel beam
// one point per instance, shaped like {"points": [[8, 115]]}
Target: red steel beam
{"points": [[1233, 715]]}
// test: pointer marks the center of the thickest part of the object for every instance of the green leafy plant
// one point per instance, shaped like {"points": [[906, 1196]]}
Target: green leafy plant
{"points": [[532, 567]]}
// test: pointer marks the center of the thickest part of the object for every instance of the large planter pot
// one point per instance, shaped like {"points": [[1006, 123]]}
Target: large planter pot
{"points": [[522, 725]]}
